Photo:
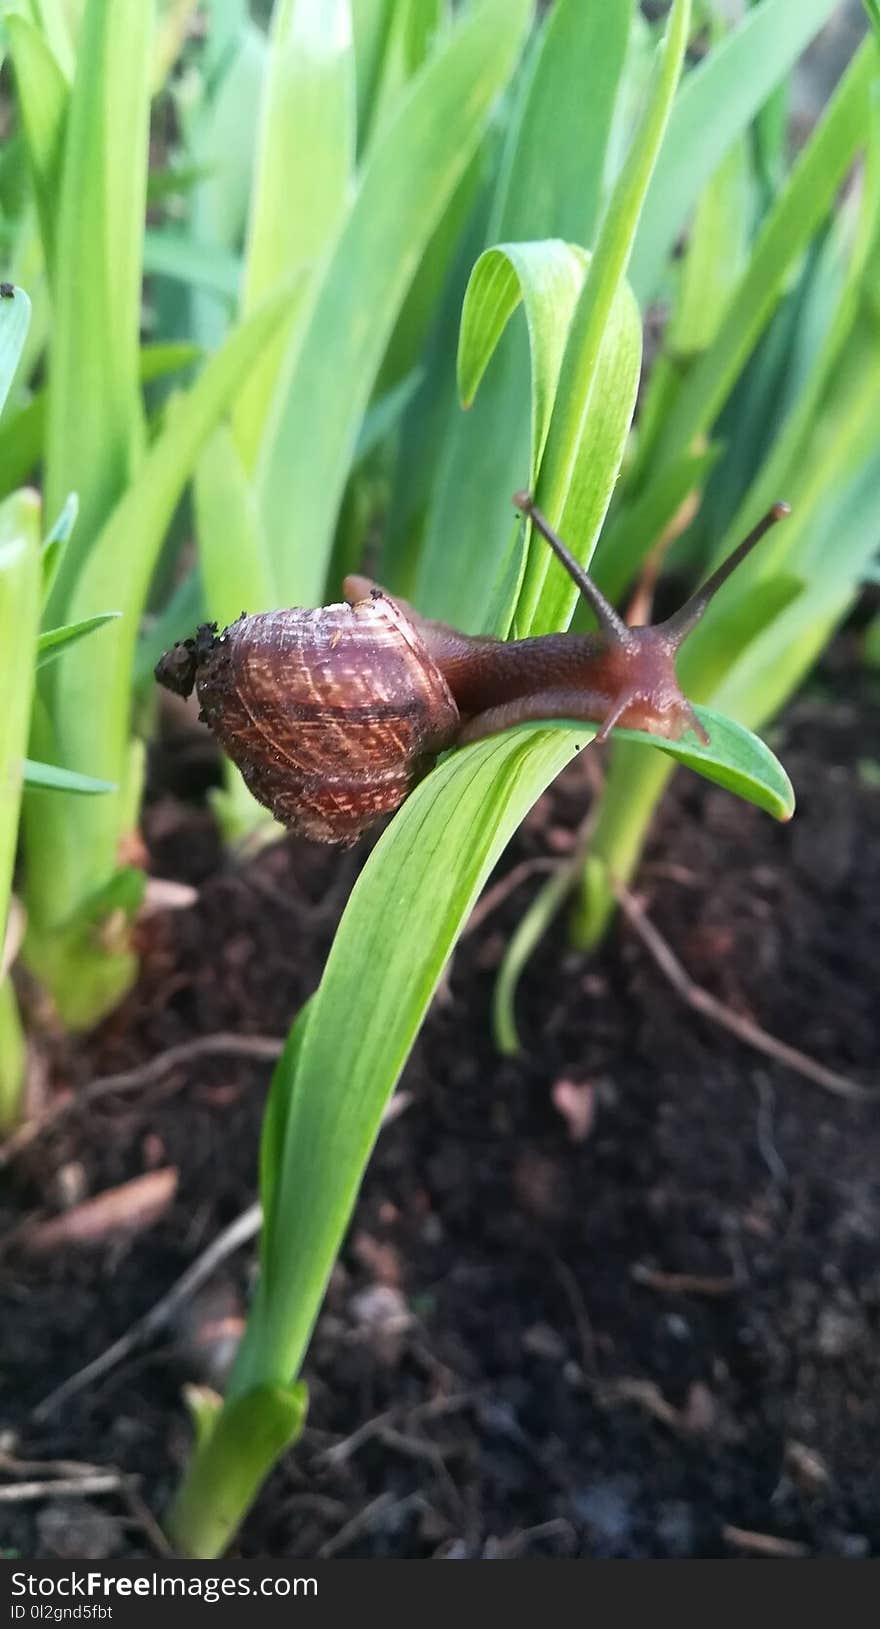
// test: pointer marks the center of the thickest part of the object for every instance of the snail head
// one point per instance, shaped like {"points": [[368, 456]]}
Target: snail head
{"points": [[178, 667]]}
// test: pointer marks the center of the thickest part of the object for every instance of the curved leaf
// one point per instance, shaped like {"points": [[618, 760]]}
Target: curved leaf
{"points": [[570, 490], [549, 188]]}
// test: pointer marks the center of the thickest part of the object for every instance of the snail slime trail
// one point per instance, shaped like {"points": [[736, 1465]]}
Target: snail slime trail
{"points": [[334, 715]]}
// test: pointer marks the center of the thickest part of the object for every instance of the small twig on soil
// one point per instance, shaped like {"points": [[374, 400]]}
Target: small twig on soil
{"points": [[231, 1239], [683, 1283], [142, 1516], [764, 1543], [580, 1314], [340, 1452], [645, 1394], [366, 1520], [62, 1487], [47, 1467], [710, 1007], [519, 1543], [263, 1047]]}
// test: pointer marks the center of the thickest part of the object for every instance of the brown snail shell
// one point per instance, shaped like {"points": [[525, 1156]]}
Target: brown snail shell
{"points": [[332, 715]]}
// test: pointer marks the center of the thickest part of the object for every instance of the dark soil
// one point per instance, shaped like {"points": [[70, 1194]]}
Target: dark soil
{"points": [[626, 1345]]}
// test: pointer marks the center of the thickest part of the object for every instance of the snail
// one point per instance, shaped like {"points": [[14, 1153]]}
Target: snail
{"points": [[333, 715]]}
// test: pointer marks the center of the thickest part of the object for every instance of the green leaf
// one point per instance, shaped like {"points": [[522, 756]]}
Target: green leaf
{"points": [[717, 102], [800, 209], [233, 556], [549, 187], [221, 134], [94, 430], [91, 696], [57, 21], [56, 542], [51, 643], [50, 777], [19, 620], [22, 433], [182, 613], [234, 1454], [15, 316], [176, 254], [411, 172], [384, 413], [547, 278], [573, 491], [635, 530], [303, 173], [399, 928], [236, 576], [734, 758], [43, 92], [524, 940], [371, 20]]}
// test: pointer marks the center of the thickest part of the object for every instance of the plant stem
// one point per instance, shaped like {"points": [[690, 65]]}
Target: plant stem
{"points": [[234, 1453], [635, 782], [12, 1058]]}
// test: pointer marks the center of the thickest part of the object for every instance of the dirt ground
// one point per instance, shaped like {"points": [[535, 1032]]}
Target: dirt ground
{"points": [[616, 1297]]}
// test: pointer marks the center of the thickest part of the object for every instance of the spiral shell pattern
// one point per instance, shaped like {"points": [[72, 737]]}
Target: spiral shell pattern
{"points": [[331, 715]]}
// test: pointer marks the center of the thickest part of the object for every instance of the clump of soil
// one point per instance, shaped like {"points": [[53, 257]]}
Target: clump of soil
{"points": [[616, 1297]]}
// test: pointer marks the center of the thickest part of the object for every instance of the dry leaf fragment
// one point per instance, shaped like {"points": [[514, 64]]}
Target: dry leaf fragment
{"points": [[131, 1208]]}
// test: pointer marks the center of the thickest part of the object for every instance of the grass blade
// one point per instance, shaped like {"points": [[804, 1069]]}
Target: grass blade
{"points": [[302, 174], [178, 255], [94, 429], [410, 174], [43, 93], [573, 492], [717, 103], [55, 640], [383, 968], [549, 187], [381, 974], [19, 619], [799, 211], [78, 848]]}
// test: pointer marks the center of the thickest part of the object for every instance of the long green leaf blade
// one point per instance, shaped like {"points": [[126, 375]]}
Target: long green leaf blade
{"points": [[567, 488], [43, 92], [400, 926], [798, 213], [549, 188], [717, 102], [94, 427], [411, 172], [302, 173], [91, 697], [383, 969]]}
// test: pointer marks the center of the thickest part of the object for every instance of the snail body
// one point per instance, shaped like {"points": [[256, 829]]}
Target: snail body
{"points": [[333, 715]]}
